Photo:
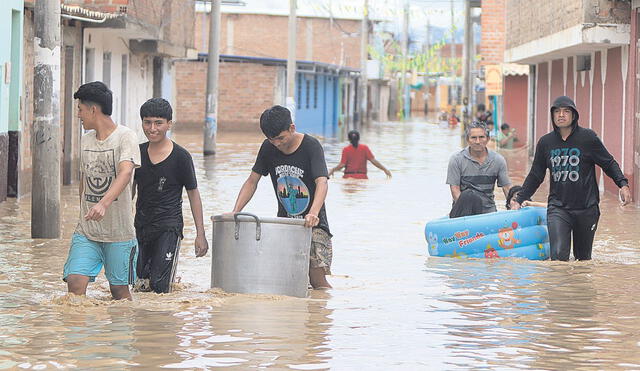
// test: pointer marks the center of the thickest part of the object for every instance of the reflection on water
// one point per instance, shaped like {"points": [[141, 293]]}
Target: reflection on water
{"points": [[392, 306]]}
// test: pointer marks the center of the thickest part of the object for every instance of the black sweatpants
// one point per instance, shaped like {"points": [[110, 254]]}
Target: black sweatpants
{"points": [[561, 223], [158, 258]]}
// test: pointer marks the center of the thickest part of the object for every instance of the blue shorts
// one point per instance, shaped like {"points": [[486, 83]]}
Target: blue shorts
{"points": [[86, 258]]}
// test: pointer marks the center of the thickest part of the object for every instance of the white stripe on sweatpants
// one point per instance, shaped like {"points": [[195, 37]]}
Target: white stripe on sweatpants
{"points": [[174, 266]]}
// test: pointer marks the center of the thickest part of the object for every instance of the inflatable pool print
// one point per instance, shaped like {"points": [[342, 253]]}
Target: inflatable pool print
{"points": [[514, 233]]}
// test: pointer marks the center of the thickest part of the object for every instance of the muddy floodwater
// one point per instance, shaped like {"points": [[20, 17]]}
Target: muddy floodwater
{"points": [[392, 306]]}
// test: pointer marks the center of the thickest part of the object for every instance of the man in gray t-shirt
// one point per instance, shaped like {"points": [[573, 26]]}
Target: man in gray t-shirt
{"points": [[473, 172]]}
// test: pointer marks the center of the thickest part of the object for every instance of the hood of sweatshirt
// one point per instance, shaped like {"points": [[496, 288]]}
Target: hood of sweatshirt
{"points": [[565, 101]]}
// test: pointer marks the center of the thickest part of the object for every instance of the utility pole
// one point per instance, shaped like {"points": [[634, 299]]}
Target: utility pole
{"points": [[213, 67], [467, 54], [405, 54], [364, 56], [291, 61], [427, 40], [427, 51], [45, 202], [454, 71]]}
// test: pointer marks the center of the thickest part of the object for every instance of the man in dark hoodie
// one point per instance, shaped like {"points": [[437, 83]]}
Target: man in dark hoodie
{"points": [[570, 152]]}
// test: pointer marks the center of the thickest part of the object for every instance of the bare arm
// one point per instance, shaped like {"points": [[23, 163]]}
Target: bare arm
{"points": [[377, 164], [455, 192], [340, 166], [312, 219], [196, 210], [246, 192], [125, 172]]}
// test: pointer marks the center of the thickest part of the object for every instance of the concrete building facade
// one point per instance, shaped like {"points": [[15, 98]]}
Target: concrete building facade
{"points": [[128, 44]]}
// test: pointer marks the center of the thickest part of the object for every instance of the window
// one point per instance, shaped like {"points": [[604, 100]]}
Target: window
{"points": [[308, 85], [583, 63], [90, 59], [315, 91], [106, 68]]}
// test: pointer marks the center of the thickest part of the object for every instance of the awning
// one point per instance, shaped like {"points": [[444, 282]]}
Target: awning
{"points": [[513, 69], [85, 15]]}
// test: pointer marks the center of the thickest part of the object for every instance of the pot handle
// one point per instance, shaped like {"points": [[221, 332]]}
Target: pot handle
{"points": [[237, 230]]}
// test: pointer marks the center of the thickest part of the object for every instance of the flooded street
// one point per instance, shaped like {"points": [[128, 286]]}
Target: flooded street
{"points": [[392, 306]]}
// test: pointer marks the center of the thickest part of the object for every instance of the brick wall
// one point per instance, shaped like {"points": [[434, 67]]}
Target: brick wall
{"points": [[608, 11], [246, 89], [190, 90], [530, 20], [171, 19], [522, 26], [492, 24], [107, 6], [336, 42]]}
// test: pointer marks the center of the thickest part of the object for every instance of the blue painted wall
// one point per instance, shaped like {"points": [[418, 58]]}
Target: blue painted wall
{"points": [[316, 104]]}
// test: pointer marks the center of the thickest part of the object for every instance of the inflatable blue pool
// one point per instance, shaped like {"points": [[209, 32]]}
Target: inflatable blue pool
{"points": [[514, 233]]}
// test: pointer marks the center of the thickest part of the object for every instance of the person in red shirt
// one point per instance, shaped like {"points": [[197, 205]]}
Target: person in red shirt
{"points": [[354, 159], [453, 119]]}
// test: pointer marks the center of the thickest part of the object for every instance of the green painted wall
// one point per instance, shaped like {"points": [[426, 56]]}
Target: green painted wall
{"points": [[11, 19]]}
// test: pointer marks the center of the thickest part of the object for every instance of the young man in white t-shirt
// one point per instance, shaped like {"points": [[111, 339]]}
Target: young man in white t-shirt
{"points": [[105, 234]]}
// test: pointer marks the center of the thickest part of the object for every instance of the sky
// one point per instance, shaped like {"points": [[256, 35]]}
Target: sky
{"points": [[438, 12]]}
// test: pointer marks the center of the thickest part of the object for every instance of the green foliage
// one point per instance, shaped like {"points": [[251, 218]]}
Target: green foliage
{"points": [[429, 61]]}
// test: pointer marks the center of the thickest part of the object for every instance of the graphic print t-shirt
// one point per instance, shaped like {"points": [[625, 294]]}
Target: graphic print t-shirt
{"points": [[293, 177], [571, 165], [355, 160], [99, 160], [159, 204]]}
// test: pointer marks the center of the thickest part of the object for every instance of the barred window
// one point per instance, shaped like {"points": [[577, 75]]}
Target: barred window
{"points": [[308, 88]]}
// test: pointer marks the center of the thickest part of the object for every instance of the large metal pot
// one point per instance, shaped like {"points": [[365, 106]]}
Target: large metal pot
{"points": [[260, 255]]}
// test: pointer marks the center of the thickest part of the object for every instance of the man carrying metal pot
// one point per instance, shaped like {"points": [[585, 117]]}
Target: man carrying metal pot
{"points": [[298, 171]]}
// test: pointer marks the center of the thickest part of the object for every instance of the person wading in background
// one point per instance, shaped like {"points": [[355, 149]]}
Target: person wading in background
{"points": [[354, 159]]}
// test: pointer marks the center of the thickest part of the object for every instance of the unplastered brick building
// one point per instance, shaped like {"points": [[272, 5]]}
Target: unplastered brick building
{"points": [[253, 50], [585, 49]]}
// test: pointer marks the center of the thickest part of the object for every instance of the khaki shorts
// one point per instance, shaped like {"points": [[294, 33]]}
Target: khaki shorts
{"points": [[321, 250]]}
